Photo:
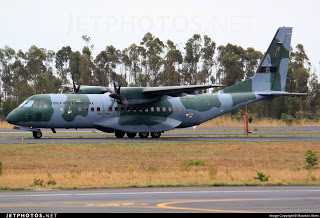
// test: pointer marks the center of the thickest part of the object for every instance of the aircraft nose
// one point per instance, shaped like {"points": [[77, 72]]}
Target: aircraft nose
{"points": [[12, 117]]}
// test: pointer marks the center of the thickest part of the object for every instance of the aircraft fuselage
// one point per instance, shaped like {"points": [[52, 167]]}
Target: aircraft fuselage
{"points": [[101, 112]]}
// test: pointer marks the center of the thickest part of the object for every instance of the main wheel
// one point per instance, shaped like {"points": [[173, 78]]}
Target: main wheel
{"points": [[143, 135], [131, 135], [119, 134], [155, 134], [37, 135]]}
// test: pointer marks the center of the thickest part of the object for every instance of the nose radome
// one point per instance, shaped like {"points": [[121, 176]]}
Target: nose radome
{"points": [[12, 117]]}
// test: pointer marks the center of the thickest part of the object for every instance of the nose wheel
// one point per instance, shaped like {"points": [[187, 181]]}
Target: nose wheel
{"points": [[37, 135]]}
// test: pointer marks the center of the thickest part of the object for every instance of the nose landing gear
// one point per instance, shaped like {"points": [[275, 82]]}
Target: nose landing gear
{"points": [[37, 135]]}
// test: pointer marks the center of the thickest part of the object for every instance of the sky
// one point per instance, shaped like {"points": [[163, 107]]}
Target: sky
{"points": [[247, 23]]}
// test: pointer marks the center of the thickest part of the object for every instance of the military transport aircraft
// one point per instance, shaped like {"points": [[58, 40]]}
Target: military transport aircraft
{"points": [[153, 110]]}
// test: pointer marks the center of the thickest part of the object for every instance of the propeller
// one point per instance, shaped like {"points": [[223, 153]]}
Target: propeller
{"points": [[116, 94], [75, 90]]}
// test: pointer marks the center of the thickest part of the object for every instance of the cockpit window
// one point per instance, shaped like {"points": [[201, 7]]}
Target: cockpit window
{"points": [[26, 103], [35, 104], [39, 104], [23, 103], [43, 104]]}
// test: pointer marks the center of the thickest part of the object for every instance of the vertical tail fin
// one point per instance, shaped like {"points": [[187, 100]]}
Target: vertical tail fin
{"points": [[271, 75], [275, 62]]}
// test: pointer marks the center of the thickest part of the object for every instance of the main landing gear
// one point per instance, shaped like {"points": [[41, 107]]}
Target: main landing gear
{"points": [[143, 135]]}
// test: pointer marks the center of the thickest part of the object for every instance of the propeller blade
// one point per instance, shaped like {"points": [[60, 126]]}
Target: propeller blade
{"points": [[114, 86], [116, 94], [113, 103], [74, 85], [77, 90]]}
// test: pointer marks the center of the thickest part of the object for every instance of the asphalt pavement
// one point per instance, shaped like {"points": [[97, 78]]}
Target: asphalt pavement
{"points": [[283, 199], [207, 134]]}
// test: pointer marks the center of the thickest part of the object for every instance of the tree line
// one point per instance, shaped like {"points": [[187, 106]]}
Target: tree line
{"points": [[151, 62]]}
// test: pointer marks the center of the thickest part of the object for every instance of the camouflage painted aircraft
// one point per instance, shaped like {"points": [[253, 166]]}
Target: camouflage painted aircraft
{"points": [[154, 110]]}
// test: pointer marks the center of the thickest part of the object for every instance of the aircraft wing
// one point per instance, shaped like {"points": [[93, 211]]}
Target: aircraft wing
{"points": [[177, 90], [89, 89]]}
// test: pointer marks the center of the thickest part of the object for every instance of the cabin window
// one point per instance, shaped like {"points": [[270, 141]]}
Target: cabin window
{"points": [[146, 109], [182, 109], [98, 108], [92, 109], [122, 109], [110, 109], [116, 109], [164, 109], [85, 108], [134, 109], [170, 109], [152, 109], [128, 109], [158, 109], [79, 109], [140, 109], [175, 109]]}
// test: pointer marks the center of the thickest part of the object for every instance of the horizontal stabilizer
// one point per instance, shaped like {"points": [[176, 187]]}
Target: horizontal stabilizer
{"points": [[281, 94]]}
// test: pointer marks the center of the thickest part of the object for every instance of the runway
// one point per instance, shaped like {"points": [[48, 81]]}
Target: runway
{"points": [[299, 199], [205, 134]]}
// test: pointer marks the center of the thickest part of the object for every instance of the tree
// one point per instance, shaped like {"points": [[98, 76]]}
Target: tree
{"points": [[86, 65], [170, 75], [191, 59], [75, 66], [21, 89], [299, 68], [252, 60], [6, 57], [132, 57], [207, 56], [231, 63], [62, 60], [314, 100], [154, 48], [106, 63]]}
